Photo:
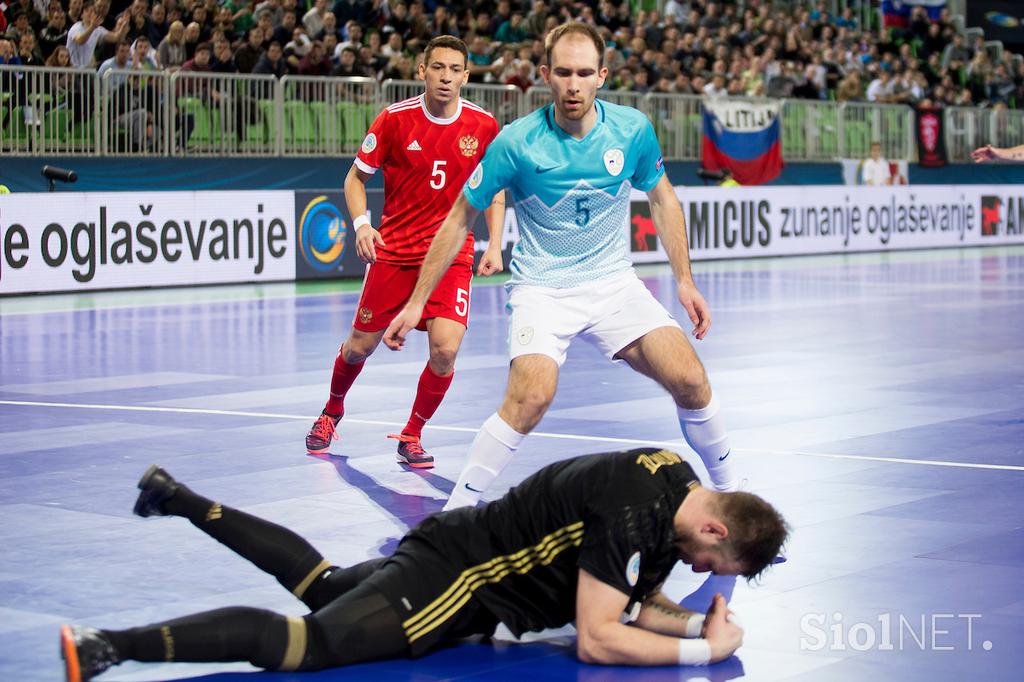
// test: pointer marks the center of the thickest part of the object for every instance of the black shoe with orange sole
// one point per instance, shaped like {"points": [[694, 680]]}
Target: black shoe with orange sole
{"points": [[86, 653]]}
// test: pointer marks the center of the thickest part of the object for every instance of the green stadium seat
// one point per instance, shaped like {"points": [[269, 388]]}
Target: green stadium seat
{"points": [[893, 124], [222, 134], [355, 121], [255, 134], [665, 134], [15, 134], [268, 113], [300, 123], [858, 139], [827, 127], [56, 127], [200, 119], [329, 128], [83, 135], [794, 132]]}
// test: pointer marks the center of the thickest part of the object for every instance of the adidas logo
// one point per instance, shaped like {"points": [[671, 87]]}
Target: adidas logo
{"points": [[414, 147]]}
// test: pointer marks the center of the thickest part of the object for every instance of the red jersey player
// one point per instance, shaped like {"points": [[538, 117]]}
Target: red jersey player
{"points": [[427, 147]]}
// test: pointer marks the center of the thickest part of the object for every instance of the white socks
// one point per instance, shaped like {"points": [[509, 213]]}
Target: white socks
{"points": [[496, 441], [704, 431], [490, 452]]}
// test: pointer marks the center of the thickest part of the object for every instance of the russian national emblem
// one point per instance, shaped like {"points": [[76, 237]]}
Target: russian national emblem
{"points": [[365, 315], [468, 145]]}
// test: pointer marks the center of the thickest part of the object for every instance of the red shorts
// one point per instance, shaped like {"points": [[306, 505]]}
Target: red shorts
{"points": [[387, 288]]}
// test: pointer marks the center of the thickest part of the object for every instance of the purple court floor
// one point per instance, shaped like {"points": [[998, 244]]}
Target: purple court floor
{"points": [[878, 400]]}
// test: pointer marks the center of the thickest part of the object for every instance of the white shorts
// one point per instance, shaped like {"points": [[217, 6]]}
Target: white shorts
{"points": [[611, 313]]}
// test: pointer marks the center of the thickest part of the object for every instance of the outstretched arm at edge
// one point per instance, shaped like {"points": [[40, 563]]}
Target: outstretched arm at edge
{"points": [[671, 226], [446, 245]]}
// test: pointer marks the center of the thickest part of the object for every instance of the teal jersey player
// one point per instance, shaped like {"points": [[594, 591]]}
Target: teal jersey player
{"points": [[571, 196], [570, 168]]}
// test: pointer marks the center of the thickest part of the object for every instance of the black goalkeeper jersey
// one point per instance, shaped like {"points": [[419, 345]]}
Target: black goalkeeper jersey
{"points": [[610, 514]]}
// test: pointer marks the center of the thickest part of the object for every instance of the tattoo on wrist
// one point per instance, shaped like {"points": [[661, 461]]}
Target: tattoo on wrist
{"points": [[671, 612]]}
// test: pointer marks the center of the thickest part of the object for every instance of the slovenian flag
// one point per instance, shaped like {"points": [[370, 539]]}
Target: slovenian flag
{"points": [[897, 12], [744, 138]]}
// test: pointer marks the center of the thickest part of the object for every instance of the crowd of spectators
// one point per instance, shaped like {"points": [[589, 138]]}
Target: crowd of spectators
{"points": [[692, 47]]}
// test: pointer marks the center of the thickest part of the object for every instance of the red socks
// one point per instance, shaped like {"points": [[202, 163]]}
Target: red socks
{"points": [[429, 394], [342, 379]]}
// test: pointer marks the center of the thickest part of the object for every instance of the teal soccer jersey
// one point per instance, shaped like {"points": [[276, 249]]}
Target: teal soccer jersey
{"points": [[571, 196]]}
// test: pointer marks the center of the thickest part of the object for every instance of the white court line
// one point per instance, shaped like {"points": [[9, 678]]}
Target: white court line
{"points": [[99, 307], [715, 266], [539, 434], [271, 296]]}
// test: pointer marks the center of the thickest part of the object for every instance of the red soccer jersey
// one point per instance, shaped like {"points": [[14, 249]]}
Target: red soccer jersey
{"points": [[426, 161]]}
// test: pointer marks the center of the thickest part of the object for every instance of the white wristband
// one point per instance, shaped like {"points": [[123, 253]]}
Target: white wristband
{"points": [[360, 220], [694, 652], [694, 625]]}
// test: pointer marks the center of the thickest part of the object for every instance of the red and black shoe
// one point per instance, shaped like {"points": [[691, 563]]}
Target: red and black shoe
{"points": [[318, 440], [411, 452]]}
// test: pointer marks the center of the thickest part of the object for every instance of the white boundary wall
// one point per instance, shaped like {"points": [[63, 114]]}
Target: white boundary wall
{"points": [[744, 222], [84, 241], [79, 241]]}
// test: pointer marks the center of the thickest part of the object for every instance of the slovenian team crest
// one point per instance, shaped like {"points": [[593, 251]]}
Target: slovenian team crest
{"points": [[476, 177], [614, 160], [468, 145], [633, 569], [525, 335]]}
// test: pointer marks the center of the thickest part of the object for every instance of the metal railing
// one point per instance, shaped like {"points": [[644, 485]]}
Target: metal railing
{"points": [[132, 116], [215, 115], [504, 101], [325, 116], [188, 114], [890, 124], [677, 123], [966, 129], [1007, 126], [48, 111]]}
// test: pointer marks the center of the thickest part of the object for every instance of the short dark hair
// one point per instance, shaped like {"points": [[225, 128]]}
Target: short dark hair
{"points": [[578, 28], [757, 531], [450, 42]]}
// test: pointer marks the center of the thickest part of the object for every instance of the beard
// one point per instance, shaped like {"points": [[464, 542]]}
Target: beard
{"points": [[575, 113], [685, 546]]}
